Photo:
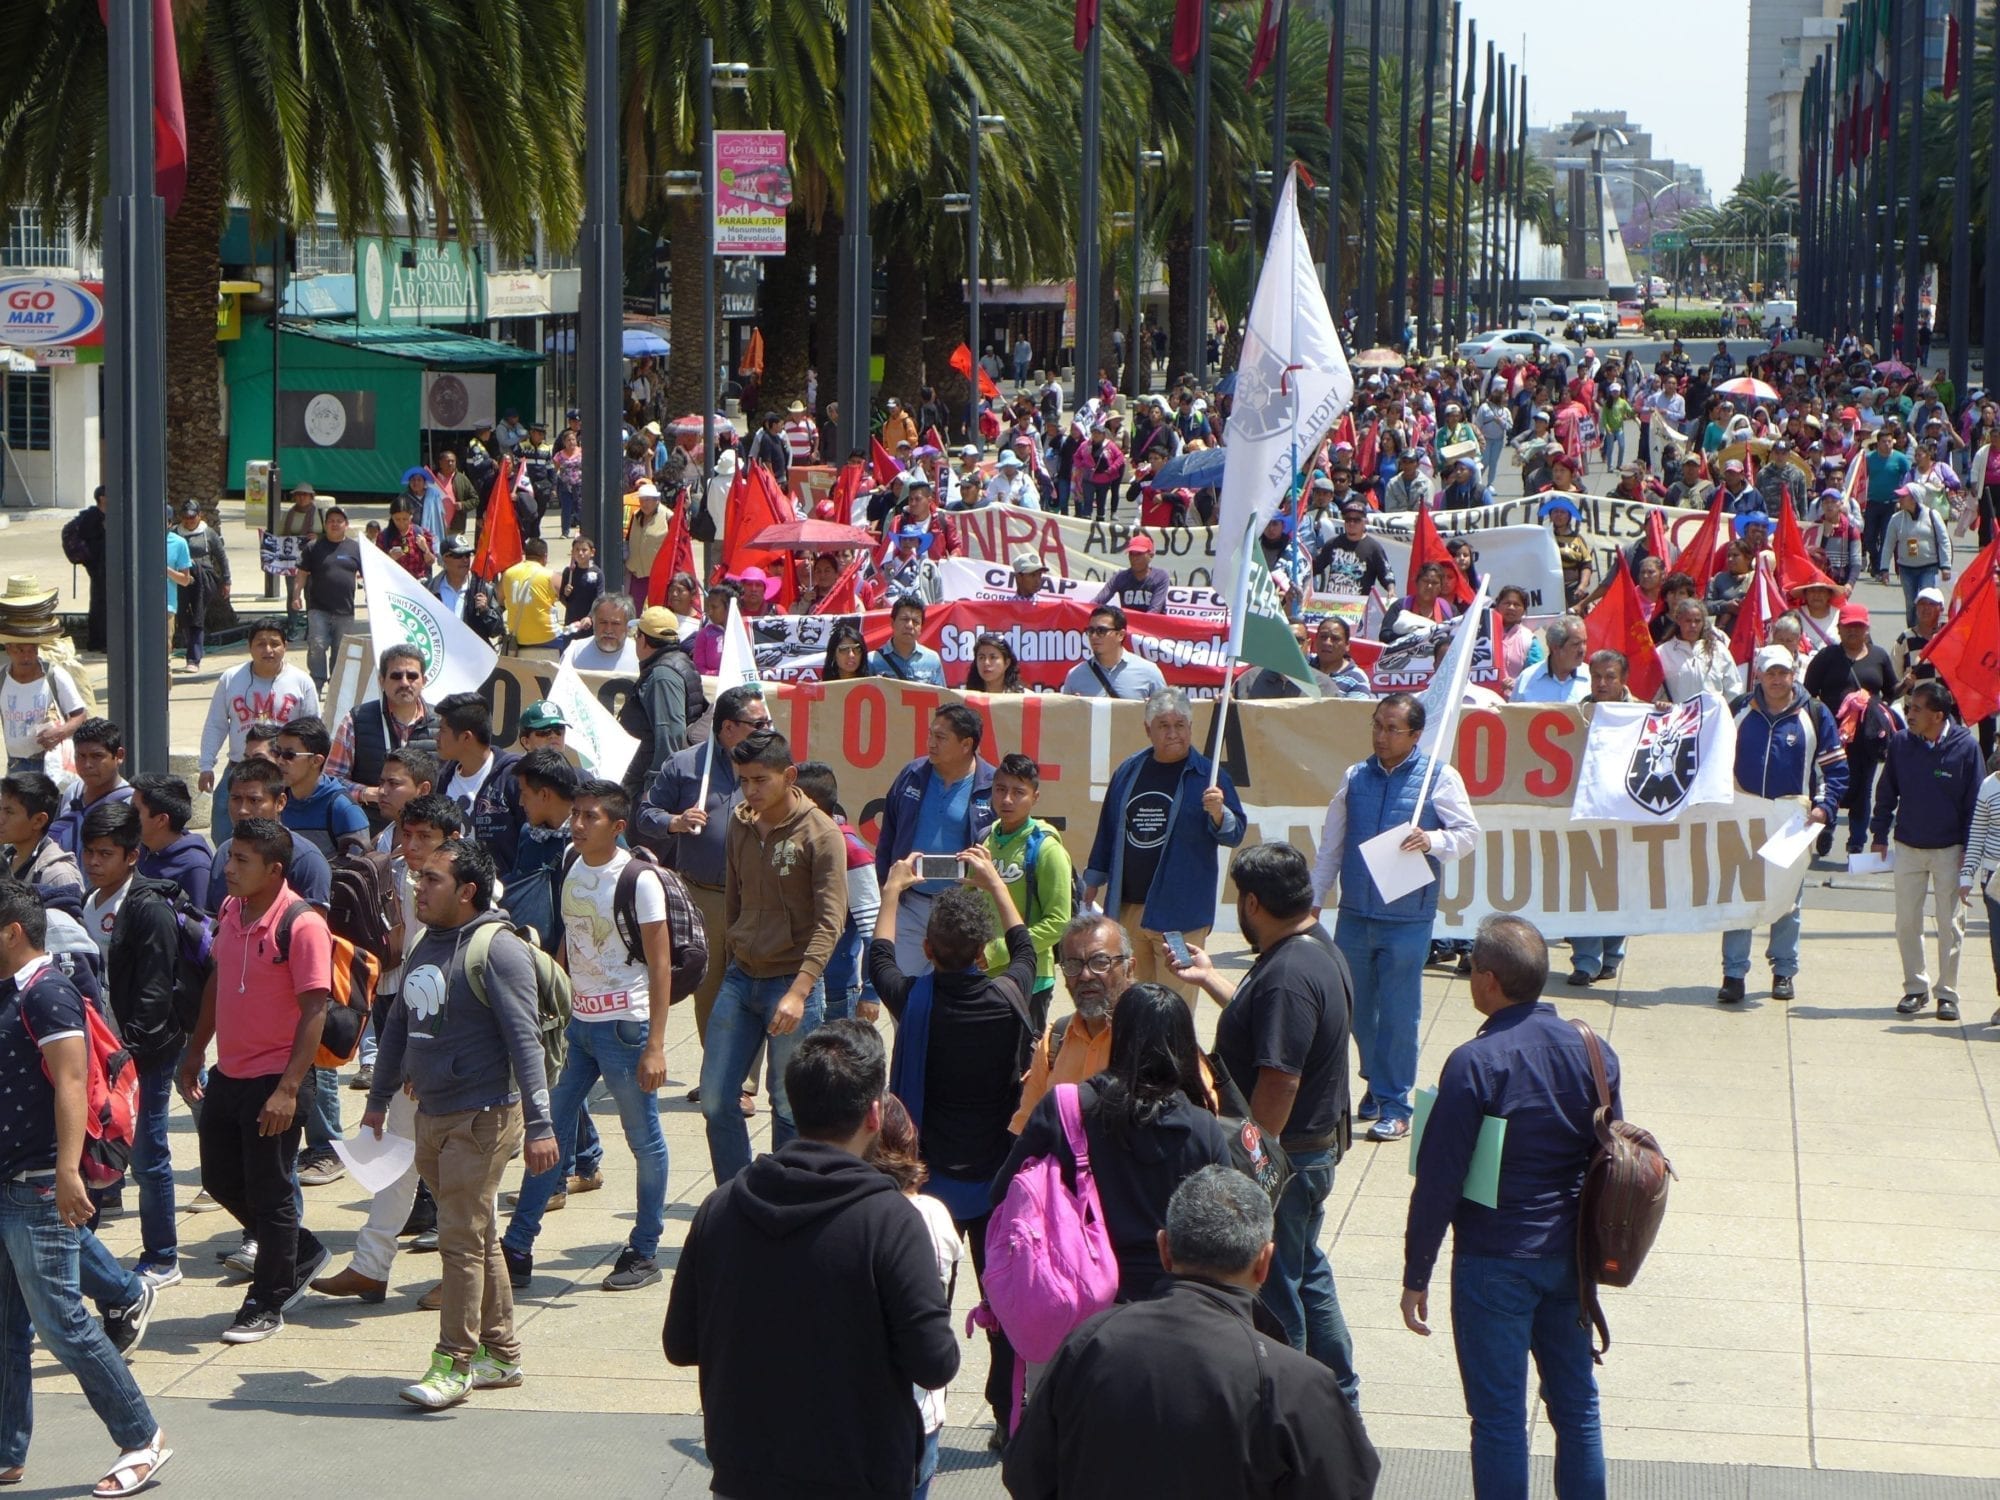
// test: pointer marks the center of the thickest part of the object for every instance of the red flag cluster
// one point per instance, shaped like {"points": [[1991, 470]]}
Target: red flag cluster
{"points": [[1966, 651], [961, 361], [1618, 623]]}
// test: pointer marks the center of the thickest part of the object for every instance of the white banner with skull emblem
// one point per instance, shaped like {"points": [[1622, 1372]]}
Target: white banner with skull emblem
{"points": [[1643, 764]]}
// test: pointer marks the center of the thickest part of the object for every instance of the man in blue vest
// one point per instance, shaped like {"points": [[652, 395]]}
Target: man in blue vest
{"points": [[372, 729], [1385, 943]]}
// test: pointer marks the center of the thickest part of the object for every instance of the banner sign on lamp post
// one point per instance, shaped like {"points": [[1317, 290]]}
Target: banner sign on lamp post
{"points": [[753, 188]]}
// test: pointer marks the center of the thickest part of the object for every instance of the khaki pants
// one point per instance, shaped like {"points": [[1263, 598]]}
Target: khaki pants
{"points": [[463, 1156], [709, 904], [1149, 957], [1934, 872]]}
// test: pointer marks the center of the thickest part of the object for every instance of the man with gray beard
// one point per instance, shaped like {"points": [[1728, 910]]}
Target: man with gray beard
{"points": [[1095, 957]]}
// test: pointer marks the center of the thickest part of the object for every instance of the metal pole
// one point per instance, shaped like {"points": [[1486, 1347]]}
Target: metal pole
{"points": [[1912, 251], [1280, 102], [1399, 292], [600, 320], [706, 145], [1135, 355], [135, 382], [1451, 192], [1371, 196], [1087, 249], [1884, 227], [1423, 298], [1336, 108], [1989, 351], [972, 273], [1961, 222], [1494, 73], [1198, 254], [857, 256], [1520, 194], [1467, 187], [271, 480]]}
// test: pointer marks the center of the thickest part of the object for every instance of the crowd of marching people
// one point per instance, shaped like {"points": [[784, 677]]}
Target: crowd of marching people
{"points": [[476, 936]]}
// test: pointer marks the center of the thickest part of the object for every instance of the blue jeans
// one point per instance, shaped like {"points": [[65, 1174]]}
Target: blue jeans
{"points": [[1875, 518], [739, 1022], [220, 825], [1915, 581], [153, 1165], [609, 1050], [39, 1296], [1593, 955], [927, 1465], [1502, 1311], [843, 977], [1783, 951], [101, 1278], [589, 1158], [1300, 1292], [319, 1108], [1386, 960]]}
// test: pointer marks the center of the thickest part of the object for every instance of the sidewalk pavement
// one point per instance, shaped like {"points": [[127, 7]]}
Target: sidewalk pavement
{"points": [[1817, 1300]]}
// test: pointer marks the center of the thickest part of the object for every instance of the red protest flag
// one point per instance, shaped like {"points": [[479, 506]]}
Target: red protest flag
{"points": [[843, 597], [170, 137], [1266, 48], [1969, 576], [1966, 651], [1190, 17], [1796, 569], [1762, 603], [677, 552], [1950, 55], [885, 465], [499, 529], [1086, 22], [1426, 546], [961, 361], [1656, 537], [933, 438], [839, 506], [1618, 623], [1698, 558]]}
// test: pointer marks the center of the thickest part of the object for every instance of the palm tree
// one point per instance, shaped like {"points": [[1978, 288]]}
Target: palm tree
{"points": [[439, 114]]}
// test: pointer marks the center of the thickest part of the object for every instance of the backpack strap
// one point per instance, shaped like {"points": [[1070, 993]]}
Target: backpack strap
{"points": [[283, 936], [476, 954], [1071, 1113], [625, 907], [1596, 1053], [1589, 1312], [1109, 690]]}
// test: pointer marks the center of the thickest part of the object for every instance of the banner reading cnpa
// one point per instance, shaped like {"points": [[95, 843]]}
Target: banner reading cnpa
{"points": [[1700, 873], [1077, 548]]}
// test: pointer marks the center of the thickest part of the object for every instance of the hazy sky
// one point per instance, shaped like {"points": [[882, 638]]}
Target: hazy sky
{"points": [[1677, 70]]}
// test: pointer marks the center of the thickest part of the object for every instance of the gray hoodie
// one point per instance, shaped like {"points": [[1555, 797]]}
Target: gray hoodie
{"points": [[460, 1053]]}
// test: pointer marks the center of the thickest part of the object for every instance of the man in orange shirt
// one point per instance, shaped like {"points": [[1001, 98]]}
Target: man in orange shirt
{"points": [[1095, 957], [264, 1007]]}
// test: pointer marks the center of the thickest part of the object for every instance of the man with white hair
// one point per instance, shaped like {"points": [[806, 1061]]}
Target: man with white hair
{"points": [[1560, 677], [609, 646]]}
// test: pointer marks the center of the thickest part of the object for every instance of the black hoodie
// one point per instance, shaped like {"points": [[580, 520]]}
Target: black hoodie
{"points": [[808, 1295]]}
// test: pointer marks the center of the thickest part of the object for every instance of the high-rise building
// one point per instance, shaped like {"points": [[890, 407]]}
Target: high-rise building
{"points": [[1813, 37], [1770, 23]]}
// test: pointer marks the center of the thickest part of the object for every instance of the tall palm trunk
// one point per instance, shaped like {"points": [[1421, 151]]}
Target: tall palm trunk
{"points": [[903, 339], [1180, 261], [683, 392], [945, 317], [784, 317], [196, 457]]}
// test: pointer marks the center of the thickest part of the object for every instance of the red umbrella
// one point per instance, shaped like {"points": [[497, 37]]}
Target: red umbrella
{"points": [[690, 425], [1745, 385], [812, 536], [1895, 369]]}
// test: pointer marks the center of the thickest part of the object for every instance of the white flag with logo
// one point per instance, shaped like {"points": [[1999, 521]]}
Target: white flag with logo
{"points": [[1643, 764], [1292, 384], [739, 658], [402, 612], [602, 746]]}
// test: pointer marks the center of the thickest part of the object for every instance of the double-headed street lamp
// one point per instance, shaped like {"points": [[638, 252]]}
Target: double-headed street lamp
{"points": [[967, 203]]}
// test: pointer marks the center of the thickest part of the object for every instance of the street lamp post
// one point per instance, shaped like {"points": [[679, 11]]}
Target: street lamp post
{"points": [[982, 126], [857, 255], [714, 75], [1135, 357]]}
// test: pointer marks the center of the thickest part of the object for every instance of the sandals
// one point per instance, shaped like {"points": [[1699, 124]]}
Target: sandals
{"points": [[124, 1478]]}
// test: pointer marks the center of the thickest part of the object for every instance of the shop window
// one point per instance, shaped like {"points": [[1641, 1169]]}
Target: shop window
{"points": [[28, 245], [28, 412]]}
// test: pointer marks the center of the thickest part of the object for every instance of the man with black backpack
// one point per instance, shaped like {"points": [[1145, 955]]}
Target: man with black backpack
{"points": [[484, 782], [1514, 1272], [85, 543], [616, 948], [138, 924]]}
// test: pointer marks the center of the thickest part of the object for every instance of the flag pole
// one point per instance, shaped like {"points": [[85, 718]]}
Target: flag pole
{"points": [[1239, 606], [1454, 702]]}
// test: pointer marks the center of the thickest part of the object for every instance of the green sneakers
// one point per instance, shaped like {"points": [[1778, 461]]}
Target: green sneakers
{"points": [[444, 1384], [492, 1373]]}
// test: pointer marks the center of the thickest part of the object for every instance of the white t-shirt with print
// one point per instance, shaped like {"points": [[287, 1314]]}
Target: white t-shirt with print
{"points": [[609, 987], [100, 915], [24, 708]]}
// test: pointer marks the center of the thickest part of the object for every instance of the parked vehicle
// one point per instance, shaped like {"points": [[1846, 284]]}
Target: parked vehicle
{"points": [[1486, 350], [1540, 310]]}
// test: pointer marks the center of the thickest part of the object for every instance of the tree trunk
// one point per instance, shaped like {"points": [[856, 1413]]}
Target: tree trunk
{"points": [[785, 318], [197, 458], [1180, 271], [826, 307], [1109, 317], [683, 231], [903, 340], [945, 315]]}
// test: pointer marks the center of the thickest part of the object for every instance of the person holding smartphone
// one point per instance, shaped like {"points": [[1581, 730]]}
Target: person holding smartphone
{"points": [[940, 804]]}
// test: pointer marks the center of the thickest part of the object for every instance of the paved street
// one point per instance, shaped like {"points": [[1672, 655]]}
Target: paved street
{"points": [[1815, 1321]]}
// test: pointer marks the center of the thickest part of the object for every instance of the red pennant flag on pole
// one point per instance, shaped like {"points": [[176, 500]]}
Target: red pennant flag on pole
{"points": [[1950, 55], [839, 506], [884, 463], [1086, 22], [1619, 624], [1190, 16], [961, 361], [1656, 537], [1266, 48], [677, 552], [842, 597], [499, 529], [1697, 559], [170, 137], [1762, 603], [934, 438], [1966, 651], [1796, 569], [1426, 546], [1969, 576]]}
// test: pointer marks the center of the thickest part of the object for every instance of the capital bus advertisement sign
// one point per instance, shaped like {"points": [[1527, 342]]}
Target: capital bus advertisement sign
{"points": [[753, 188]]}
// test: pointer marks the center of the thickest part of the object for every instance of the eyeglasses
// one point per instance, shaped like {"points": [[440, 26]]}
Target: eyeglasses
{"points": [[1103, 629], [753, 723], [288, 756], [405, 677], [1098, 964]]}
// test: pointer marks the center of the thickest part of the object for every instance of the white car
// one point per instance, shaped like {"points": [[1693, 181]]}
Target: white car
{"points": [[1486, 350], [1596, 320], [1543, 310]]}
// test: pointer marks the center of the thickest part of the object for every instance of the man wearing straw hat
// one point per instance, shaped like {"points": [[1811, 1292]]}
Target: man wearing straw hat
{"points": [[40, 706]]}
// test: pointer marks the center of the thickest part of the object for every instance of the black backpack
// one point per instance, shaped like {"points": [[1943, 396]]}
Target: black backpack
{"points": [[363, 904], [74, 546], [687, 936]]}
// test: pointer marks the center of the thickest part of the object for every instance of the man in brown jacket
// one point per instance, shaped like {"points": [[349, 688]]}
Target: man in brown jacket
{"points": [[784, 907]]}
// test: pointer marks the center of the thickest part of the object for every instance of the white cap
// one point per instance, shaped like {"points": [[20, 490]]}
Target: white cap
{"points": [[649, 491], [1774, 656], [1930, 596]]}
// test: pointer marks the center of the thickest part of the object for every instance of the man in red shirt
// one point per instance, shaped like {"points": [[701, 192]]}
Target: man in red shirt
{"points": [[264, 1007]]}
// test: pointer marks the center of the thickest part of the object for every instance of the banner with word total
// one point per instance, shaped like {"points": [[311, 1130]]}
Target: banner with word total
{"points": [[1698, 873]]}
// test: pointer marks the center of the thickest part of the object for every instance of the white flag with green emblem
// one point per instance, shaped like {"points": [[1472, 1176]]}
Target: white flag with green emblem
{"points": [[402, 612], [1267, 639], [602, 746]]}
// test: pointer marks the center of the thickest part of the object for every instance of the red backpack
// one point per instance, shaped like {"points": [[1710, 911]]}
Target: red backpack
{"points": [[111, 1099]]}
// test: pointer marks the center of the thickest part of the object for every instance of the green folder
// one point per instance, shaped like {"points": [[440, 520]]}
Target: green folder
{"points": [[1482, 1174]]}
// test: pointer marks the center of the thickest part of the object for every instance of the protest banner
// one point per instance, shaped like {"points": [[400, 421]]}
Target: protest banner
{"points": [[1612, 525], [991, 583], [1698, 873], [1523, 557], [1074, 547]]}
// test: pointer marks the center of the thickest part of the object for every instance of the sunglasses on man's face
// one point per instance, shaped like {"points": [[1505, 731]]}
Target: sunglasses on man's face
{"points": [[405, 677], [288, 756]]}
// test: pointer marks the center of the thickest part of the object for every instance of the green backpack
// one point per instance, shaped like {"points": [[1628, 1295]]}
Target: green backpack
{"points": [[553, 995]]}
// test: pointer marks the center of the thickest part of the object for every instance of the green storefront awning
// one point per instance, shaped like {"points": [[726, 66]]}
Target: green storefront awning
{"points": [[436, 348]]}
